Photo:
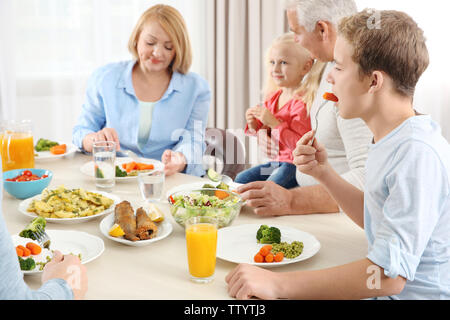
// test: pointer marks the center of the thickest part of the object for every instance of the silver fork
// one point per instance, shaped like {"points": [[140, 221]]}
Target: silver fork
{"points": [[42, 237], [317, 121]]}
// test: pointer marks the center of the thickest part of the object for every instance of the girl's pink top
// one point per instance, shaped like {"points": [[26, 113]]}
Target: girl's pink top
{"points": [[295, 122]]}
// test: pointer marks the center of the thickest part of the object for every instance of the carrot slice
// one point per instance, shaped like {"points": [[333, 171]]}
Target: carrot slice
{"points": [[279, 257], [59, 149], [265, 250], [34, 248], [269, 258], [221, 194], [130, 166], [144, 166], [258, 258], [331, 97], [19, 251]]}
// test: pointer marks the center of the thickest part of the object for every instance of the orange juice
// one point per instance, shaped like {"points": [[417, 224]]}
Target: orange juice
{"points": [[17, 150], [201, 241]]}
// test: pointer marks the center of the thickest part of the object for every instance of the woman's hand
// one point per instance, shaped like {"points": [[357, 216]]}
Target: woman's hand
{"points": [[266, 117], [311, 159], [173, 162], [106, 134]]}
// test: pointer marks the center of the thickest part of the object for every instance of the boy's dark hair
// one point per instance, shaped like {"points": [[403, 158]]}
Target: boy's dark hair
{"points": [[394, 44]]}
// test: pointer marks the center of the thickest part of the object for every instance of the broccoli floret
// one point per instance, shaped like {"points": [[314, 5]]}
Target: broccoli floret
{"points": [[223, 186], [267, 235], [259, 233], [120, 173], [27, 264], [33, 227], [45, 145]]}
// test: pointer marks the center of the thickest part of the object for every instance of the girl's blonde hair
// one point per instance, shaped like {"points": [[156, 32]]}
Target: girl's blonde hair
{"points": [[173, 23], [309, 85]]}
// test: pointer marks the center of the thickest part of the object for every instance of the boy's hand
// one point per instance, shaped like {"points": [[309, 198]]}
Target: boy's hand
{"points": [[247, 281], [266, 117], [311, 160]]}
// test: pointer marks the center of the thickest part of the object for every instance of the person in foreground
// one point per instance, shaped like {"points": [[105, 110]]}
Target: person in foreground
{"points": [[63, 278], [292, 81], [346, 140], [151, 105], [405, 208]]}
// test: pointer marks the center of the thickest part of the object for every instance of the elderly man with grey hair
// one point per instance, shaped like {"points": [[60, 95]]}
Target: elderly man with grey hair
{"points": [[347, 141]]}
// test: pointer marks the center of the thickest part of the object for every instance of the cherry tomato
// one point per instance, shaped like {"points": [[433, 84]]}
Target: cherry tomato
{"points": [[27, 173]]}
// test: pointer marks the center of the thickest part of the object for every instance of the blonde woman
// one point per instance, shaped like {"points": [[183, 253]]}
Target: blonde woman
{"points": [[151, 105], [292, 82]]}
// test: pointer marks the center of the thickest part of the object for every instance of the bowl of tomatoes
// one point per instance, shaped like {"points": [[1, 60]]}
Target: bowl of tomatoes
{"points": [[26, 183]]}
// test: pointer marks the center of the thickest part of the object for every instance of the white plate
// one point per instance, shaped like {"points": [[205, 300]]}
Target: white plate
{"points": [[25, 204], [164, 229], [196, 185], [47, 155], [88, 167], [67, 241], [238, 244]]}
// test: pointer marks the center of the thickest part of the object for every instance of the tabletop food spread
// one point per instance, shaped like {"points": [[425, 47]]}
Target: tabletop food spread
{"points": [[139, 248]]}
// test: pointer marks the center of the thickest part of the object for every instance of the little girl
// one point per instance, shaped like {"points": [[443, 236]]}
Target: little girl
{"points": [[293, 79]]}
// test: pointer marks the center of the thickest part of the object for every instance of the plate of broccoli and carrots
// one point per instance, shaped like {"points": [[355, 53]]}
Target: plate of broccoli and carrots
{"points": [[48, 150], [260, 245], [33, 256]]}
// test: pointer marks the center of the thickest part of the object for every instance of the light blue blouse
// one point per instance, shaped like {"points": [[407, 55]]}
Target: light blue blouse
{"points": [[407, 208], [178, 122]]}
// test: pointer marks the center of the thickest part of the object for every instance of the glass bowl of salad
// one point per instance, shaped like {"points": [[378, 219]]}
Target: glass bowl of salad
{"points": [[221, 204]]}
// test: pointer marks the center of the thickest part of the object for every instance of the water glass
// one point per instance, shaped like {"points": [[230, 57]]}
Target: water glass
{"points": [[104, 153], [151, 185], [201, 244]]}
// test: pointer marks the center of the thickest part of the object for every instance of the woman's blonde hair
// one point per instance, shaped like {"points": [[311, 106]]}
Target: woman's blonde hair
{"points": [[173, 23], [309, 85]]}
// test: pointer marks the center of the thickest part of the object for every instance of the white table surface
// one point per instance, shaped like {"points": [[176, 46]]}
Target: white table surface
{"points": [[159, 270]]}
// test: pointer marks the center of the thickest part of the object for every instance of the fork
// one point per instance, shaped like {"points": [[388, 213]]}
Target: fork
{"points": [[42, 237], [317, 121]]}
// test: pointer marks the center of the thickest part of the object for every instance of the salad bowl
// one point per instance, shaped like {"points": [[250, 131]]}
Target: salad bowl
{"points": [[221, 204]]}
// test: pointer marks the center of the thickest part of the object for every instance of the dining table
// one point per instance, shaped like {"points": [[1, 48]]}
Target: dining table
{"points": [[159, 270]]}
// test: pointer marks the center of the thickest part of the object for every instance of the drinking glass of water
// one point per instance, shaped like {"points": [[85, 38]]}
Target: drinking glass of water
{"points": [[151, 185], [104, 153]]}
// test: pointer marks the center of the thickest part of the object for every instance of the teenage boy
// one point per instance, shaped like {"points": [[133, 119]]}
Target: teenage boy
{"points": [[405, 209]]}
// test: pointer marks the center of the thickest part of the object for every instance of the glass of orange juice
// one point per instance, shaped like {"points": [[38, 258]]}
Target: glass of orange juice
{"points": [[201, 243], [16, 145]]}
